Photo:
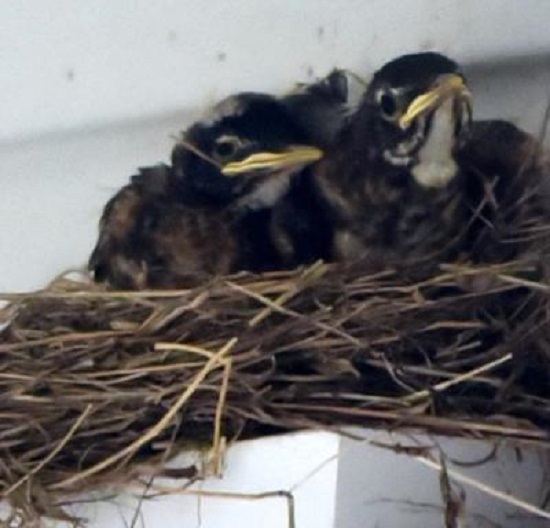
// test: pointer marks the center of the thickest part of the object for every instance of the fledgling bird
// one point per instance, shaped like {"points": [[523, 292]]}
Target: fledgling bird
{"points": [[235, 197], [299, 227], [411, 179]]}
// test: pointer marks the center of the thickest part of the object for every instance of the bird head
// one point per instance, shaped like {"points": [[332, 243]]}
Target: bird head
{"points": [[418, 111], [244, 152]]}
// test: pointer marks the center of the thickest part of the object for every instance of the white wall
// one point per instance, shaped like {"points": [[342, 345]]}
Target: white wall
{"points": [[92, 90], [69, 64]]}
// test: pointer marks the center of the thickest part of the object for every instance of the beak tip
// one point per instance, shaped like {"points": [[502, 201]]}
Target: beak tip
{"points": [[447, 85]]}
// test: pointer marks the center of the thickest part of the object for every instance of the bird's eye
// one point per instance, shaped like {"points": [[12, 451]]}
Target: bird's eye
{"points": [[388, 104], [226, 147]]}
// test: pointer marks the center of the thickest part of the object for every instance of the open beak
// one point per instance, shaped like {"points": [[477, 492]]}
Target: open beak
{"points": [[445, 86], [292, 156]]}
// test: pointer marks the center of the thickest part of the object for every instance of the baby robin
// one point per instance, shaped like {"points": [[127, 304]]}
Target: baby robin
{"points": [[411, 179], [235, 197]]}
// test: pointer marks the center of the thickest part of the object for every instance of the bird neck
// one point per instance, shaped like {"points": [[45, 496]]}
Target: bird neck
{"points": [[379, 205], [191, 195], [265, 193], [354, 170]]}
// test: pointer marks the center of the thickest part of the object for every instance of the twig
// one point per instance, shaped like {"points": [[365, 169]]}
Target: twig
{"points": [[217, 446], [497, 494], [275, 307], [156, 429], [313, 273], [78, 422], [444, 385], [241, 496]]}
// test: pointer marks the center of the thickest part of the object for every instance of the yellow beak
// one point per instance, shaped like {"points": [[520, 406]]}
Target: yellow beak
{"points": [[293, 156], [445, 86]]}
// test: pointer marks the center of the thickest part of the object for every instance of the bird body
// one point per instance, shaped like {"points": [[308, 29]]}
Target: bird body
{"points": [[411, 180], [406, 178], [147, 236], [387, 218], [236, 196]]}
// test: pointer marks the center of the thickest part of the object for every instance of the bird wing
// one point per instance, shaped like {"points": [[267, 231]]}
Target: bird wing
{"points": [[117, 258]]}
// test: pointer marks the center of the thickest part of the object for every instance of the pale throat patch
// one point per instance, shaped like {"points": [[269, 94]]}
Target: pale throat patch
{"points": [[268, 192], [436, 166]]}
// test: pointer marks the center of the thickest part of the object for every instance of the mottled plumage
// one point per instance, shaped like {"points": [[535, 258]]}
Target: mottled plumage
{"points": [[218, 208], [409, 180], [148, 239]]}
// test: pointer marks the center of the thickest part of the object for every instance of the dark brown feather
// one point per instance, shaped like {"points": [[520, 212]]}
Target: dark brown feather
{"points": [[175, 225], [147, 239], [489, 213], [486, 211], [508, 179]]}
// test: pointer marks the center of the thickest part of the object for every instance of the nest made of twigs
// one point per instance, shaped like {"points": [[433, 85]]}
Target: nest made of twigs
{"points": [[97, 384]]}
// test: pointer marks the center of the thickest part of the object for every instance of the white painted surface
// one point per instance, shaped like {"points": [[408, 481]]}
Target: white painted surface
{"points": [[379, 489], [68, 64], [303, 465], [92, 90], [335, 483]]}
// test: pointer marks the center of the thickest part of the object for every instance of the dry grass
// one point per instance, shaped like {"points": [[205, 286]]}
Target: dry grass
{"points": [[98, 385]]}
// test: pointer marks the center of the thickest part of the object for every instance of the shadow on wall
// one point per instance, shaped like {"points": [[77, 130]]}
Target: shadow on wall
{"points": [[517, 89]]}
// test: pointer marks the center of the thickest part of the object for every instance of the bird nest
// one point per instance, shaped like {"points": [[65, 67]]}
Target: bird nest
{"points": [[98, 385]]}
